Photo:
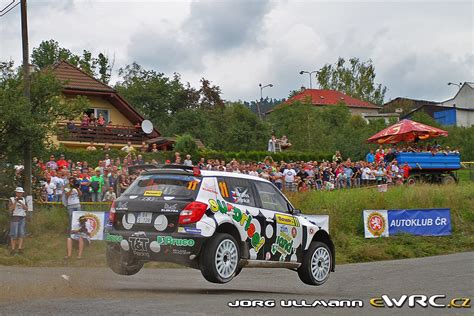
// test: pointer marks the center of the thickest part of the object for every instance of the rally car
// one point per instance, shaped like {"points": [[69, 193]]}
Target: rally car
{"points": [[217, 222]]}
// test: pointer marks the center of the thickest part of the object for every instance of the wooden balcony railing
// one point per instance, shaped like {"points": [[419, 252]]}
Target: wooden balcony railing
{"points": [[101, 134]]}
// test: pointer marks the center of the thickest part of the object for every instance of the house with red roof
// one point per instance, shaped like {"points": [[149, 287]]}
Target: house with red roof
{"points": [[320, 97]]}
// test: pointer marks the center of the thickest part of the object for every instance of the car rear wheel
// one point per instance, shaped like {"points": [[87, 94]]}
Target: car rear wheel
{"points": [[121, 262], [220, 258], [316, 265]]}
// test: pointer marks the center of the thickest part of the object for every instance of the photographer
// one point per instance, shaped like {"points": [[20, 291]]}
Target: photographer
{"points": [[80, 234], [18, 207], [73, 194]]}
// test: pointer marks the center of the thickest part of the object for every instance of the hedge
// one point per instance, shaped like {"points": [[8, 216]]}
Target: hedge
{"points": [[93, 157]]}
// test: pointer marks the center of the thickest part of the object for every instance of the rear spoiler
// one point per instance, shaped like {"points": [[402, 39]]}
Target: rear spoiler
{"points": [[195, 171]]}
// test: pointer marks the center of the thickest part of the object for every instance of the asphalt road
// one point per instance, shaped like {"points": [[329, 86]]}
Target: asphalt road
{"points": [[43, 291]]}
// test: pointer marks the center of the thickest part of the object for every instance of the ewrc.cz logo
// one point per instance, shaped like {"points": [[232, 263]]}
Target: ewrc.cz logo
{"points": [[420, 301]]}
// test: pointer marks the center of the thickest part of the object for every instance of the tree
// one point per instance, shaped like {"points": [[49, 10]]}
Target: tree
{"points": [[186, 145], [21, 122], [354, 78], [50, 52]]}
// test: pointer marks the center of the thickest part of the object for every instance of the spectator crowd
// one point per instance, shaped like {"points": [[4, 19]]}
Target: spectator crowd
{"points": [[111, 176]]}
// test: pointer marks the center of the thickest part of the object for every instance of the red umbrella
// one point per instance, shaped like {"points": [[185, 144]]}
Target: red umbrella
{"points": [[406, 131]]}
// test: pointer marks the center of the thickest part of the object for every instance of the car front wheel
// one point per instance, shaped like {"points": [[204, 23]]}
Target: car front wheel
{"points": [[120, 262], [316, 265], [220, 258]]}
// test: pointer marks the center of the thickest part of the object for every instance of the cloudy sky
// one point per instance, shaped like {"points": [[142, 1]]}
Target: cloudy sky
{"points": [[416, 47]]}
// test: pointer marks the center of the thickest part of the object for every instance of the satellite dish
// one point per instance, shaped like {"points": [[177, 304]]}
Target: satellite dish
{"points": [[147, 127]]}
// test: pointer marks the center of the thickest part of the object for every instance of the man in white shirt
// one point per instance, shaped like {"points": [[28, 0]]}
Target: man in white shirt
{"points": [[289, 173], [18, 208]]}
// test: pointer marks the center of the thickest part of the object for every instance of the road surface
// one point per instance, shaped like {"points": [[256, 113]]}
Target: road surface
{"points": [[45, 291]]}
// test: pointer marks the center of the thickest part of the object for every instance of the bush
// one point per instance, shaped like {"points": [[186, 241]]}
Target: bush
{"points": [[186, 145]]}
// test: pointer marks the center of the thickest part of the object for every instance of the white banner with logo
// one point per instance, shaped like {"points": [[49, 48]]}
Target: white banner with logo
{"points": [[95, 223], [375, 223]]}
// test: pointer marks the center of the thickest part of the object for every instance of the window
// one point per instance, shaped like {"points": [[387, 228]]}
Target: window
{"points": [[236, 190], [160, 185], [271, 198], [105, 114]]}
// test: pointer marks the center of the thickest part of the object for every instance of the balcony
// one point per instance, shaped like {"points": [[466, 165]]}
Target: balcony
{"points": [[112, 134]]}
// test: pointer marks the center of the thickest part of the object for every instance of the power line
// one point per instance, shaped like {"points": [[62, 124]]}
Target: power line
{"points": [[8, 8]]}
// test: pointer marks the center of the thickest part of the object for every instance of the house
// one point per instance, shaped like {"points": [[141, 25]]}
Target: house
{"points": [[458, 111], [123, 121], [320, 97]]}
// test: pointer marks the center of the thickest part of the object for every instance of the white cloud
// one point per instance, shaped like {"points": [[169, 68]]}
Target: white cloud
{"points": [[416, 47]]}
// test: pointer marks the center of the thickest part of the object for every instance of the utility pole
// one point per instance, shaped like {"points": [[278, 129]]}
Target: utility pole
{"points": [[27, 93]]}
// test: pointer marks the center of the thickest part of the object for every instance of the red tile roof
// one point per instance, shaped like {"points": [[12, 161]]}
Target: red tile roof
{"points": [[329, 97], [75, 78]]}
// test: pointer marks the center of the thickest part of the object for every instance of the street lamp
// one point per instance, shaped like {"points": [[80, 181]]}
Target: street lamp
{"points": [[309, 73], [455, 84], [261, 97]]}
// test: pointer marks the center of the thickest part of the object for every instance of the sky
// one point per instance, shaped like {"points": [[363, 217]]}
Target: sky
{"points": [[417, 47]]}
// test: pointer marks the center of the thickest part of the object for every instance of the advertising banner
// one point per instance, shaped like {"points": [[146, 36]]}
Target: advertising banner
{"points": [[421, 222], [95, 223]]}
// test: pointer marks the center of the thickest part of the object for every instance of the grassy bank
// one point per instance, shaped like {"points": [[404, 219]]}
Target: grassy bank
{"points": [[46, 244]]}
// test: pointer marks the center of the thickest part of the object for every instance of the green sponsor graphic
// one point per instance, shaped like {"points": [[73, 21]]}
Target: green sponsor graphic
{"points": [[283, 245], [170, 241], [113, 238]]}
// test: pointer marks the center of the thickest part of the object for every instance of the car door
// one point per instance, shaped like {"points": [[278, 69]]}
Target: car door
{"points": [[240, 193], [283, 232]]}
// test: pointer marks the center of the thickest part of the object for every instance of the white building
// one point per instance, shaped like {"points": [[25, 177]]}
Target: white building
{"points": [[460, 109]]}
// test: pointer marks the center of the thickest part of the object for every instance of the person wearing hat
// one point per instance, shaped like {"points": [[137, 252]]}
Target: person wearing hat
{"points": [[17, 207]]}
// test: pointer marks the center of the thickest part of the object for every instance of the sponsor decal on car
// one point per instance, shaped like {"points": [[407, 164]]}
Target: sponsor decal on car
{"points": [[153, 193], [283, 244], [122, 206], [139, 244], [240, 196], [113, 238], [287, 220], [170, 208], [183, 252], [170, 241], [244, 219], [189, 230]]}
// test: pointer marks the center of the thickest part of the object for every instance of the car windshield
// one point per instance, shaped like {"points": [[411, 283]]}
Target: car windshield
{"points": [[165, 185]]}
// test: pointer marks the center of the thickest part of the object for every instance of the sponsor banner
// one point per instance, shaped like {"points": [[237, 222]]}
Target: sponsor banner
{"points": [[421, 222], [95, 223]]}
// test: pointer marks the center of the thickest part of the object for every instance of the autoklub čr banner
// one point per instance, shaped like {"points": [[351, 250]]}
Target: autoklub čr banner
{"points": [[422, 222]]}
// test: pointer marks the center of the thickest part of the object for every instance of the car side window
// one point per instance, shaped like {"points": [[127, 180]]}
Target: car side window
{"points": [[236, 190], [271, 198]]}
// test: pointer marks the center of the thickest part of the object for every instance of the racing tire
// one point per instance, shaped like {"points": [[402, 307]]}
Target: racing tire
{"points": [[219, 259], [121, 262], [316, 265], [447, 180]]}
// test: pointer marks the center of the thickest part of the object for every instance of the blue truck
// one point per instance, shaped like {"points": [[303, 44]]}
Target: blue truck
{"points": [[429, 167]]}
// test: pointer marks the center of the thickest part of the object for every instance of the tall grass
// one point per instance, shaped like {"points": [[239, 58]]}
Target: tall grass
{"points": [[46, 245], [346, 226]]}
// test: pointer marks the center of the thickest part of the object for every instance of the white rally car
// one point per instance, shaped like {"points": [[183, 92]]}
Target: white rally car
{"points": [[217, 222]]}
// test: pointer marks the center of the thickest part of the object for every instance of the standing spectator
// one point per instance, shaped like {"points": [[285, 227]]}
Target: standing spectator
{"points": [[348, 172], [100, 120], [128, 148], [202, 163], [18, 207], [188, 161], [73, 194], [85, 122], [109, 195], [50, 188], [139, 160], [62, 163], [272, 144], [370, 158], [80, 235], [154, 148], [91, 146], [144, 147], [337, 157], [51, 164], [289, 173], [277, 178], [96, 184], [106, 148]]}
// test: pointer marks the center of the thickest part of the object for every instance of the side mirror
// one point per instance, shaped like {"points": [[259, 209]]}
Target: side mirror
{"points": [[296, 212]]}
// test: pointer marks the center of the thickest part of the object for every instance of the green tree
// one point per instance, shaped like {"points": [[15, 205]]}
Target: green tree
{"points": [[34, 122], [355, 78], [50, 52], [186, 145]]}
